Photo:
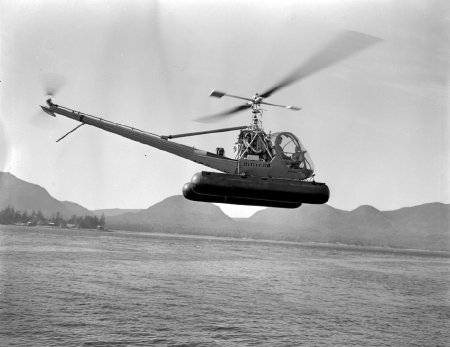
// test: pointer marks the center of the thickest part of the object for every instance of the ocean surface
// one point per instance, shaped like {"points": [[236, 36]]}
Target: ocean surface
{"points": [[94, 288]]}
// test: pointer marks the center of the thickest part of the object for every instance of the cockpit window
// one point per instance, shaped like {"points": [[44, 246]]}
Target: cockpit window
{"points": [[294, 154]]}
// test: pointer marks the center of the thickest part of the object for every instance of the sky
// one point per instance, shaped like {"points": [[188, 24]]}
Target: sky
{"points": [[376, 124]]}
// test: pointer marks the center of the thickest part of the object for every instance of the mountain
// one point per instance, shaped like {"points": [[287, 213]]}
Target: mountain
{"points": [[77, 209], [425, 226], [24, 196], [109, 212], [178, 212]]}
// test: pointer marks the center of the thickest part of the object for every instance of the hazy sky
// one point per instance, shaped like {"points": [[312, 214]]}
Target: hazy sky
{"points": [[376, 125]]}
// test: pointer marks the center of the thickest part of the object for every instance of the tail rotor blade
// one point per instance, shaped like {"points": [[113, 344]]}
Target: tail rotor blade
{"points": [[40, 120], [52, 83]]}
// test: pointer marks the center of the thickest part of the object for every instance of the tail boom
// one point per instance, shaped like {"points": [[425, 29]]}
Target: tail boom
{"points": [[208, 159]]}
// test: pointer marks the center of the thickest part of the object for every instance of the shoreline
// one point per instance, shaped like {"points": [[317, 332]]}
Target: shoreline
{"points": [[321, 245]]}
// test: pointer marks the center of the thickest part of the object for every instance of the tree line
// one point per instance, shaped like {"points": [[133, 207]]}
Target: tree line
{"points": [[10, 215]]}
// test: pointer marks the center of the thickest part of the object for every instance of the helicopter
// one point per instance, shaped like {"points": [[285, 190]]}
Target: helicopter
{"points": [[269, 169]]}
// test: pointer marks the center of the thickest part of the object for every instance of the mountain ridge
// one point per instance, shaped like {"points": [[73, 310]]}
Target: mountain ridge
{"points": [[423, 226], [175, 210], [25, 196]]}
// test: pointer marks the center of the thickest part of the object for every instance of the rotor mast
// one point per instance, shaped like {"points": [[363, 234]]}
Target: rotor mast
{"points": [[257, 112]]}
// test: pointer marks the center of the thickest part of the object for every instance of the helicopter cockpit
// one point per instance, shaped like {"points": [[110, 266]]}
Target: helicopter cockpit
{"points": [[293, 153]]}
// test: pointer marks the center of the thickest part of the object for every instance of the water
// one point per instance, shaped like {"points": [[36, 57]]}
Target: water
{"points": [[91, 288]]}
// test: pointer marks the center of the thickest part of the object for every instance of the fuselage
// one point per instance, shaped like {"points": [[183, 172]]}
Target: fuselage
{"points": [[269, 170]]}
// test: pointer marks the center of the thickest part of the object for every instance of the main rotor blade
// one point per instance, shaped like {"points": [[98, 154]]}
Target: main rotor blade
{"points": [[341, 47], [219, 116], [219, 95], [293, 108]]}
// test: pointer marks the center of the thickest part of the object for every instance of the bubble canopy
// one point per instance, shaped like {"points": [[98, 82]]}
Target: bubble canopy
{"points": [[291, 150]]}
